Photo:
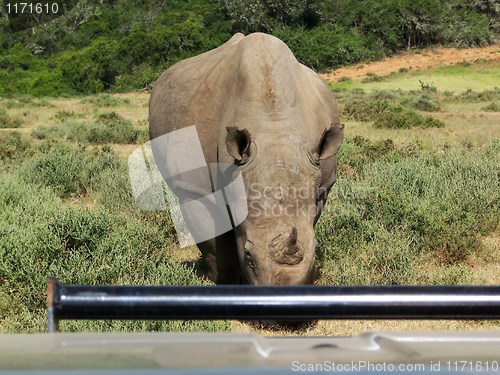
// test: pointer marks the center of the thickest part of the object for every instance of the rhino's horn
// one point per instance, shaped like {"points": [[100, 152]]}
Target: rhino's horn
{"points": [[286, 251], [291, 241]]}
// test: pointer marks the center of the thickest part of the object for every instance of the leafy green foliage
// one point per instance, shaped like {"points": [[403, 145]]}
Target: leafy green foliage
{"points": [[12, 145], [105, 100], [388, 110], [325, 46], [108, 128], [399, 117], [21, 72], [492, 107], [94, 46], [399, 212], [41, 236], [67, 170], [91, 69], [8, 122]]}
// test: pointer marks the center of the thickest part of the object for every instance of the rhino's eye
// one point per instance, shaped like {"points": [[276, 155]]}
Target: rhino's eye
{"points": [[249, 258]]}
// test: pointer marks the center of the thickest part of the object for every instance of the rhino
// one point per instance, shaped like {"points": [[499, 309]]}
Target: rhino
{"points": [[254, 106]]}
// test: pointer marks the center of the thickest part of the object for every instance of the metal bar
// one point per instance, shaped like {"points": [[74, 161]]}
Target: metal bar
{"points": [[52, 294], [274, 302]]}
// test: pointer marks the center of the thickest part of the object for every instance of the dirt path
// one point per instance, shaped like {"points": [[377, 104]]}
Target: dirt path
{"points": [[426, 59]]}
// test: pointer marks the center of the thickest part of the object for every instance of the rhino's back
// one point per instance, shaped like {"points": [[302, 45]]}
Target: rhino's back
{"points": [[183, 93], [243, 78]]}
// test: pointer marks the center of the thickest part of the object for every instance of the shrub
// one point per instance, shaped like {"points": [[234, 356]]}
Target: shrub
{"points": [[91, 69], [114, 128], [467, 28], [398, 117], [108, 128], [372, 77], [481, 96], [8, 122], [23, 73], [387, 110], [492, 107], [357, 153], [434, 208], [40, 237], [426, 103], [48, 132], [363, 109], [67, 170], [12, 145], [325, 46], [427, 87], [105, 100], [27, 101], [64, 115]]}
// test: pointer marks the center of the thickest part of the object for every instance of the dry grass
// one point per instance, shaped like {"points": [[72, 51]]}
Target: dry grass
{"points": [[355, 327], [477, 129], [465, 124]]}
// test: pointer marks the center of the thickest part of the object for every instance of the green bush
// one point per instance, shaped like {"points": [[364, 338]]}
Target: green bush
{"points": [[407, 211], [344, 79], [479, 96], [8, 122], [108, 128], [27, 101], [388, 109], [113, 128], [467, 28], [64, 115], [91, 69], [23, 73], [426, 103], [398, 117], [357, 153], [363, 109], [12, 145], [39, 236], [67, 170], [326, 46], [105, 100], [50, 132], [492, 107], [372, 77]]}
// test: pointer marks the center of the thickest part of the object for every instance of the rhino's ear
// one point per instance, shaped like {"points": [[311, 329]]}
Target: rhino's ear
{"points": [[238, 143], [330, 142]]}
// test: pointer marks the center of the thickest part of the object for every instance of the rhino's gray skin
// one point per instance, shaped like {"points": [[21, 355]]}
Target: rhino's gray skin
{"points": [[254, 105]]}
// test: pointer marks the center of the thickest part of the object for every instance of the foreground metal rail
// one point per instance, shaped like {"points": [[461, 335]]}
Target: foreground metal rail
{"points": [[279, 303]]}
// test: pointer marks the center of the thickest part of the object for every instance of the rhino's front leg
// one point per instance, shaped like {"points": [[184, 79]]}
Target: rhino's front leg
{"points": [[219, 259]]}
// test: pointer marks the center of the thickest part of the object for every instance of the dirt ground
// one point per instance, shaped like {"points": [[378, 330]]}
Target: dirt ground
{"points": [[415, 60]]}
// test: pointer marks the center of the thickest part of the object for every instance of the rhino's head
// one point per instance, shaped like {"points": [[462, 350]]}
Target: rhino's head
{"points": [[286, 187]]}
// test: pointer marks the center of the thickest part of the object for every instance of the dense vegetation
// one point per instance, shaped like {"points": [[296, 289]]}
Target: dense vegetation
{"points": [[43, 232], [403, 211], [92, 46]]}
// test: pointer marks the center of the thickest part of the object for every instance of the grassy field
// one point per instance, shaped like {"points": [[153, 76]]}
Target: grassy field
{"points": [[416, 202]]}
